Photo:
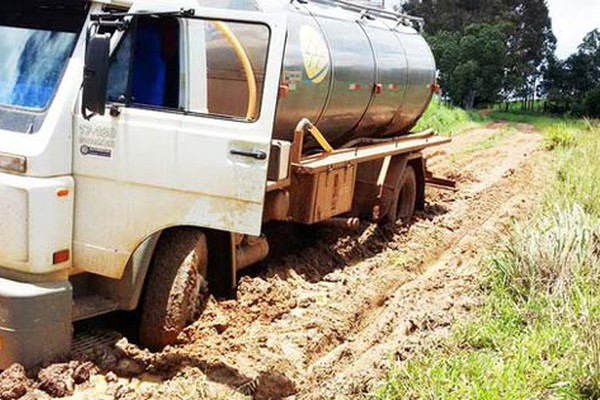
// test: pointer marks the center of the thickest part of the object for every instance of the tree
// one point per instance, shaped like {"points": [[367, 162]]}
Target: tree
{"points": [[529, 40], [589, 49], [455, 15], [530, 44], [554, 86], [572, 85], [471, 63]]}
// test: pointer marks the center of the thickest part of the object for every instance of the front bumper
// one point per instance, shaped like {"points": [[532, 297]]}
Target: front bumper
{"points": [[35, 322]]}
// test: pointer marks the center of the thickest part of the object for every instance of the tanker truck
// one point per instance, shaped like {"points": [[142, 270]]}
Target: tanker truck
{"points": [[144, 145]]}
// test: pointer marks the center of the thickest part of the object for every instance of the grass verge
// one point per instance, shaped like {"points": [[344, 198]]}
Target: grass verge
{"points": [[538, 334], [540, 121], [447, 120]]}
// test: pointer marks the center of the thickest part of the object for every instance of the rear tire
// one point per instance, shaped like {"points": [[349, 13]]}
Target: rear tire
{"points": [[407, 197], [176, 291]]}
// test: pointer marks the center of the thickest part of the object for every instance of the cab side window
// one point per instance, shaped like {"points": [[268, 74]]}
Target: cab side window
{"points": [[227, 81], [145, 68], [227, 59]]}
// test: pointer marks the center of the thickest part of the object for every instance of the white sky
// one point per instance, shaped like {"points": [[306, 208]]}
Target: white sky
{"points": [[571, 20]]}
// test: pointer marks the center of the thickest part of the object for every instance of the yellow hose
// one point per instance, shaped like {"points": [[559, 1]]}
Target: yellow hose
{"points": [[252, 112], [320, 138]]}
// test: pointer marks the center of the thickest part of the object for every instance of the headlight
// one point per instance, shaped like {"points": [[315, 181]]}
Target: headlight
{"points": [[13, 163]]}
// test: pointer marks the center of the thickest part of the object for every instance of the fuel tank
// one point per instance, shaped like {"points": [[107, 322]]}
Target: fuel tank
{"points": [[354, 71]]}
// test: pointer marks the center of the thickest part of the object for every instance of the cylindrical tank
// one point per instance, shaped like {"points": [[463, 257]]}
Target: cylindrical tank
{"points": [[353, 75], [351, 72]]}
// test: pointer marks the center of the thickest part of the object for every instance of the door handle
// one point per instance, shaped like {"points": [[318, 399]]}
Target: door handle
{"points": [[256, 154]]}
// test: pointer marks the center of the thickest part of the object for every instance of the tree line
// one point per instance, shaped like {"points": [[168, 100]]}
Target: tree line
{"points": [[489, 51]]}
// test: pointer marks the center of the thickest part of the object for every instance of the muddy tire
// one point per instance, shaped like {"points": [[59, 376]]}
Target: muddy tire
{"points": [[176, 289], [407, 196]]}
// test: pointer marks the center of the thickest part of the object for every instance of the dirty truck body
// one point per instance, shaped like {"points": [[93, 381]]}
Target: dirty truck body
{"points": [[144, 145]]}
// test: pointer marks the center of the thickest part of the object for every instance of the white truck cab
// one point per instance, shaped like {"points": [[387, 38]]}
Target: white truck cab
{"points": [[79, 195]]}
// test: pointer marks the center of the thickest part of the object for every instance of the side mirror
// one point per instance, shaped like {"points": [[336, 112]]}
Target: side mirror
{"points": [[95, 75]]}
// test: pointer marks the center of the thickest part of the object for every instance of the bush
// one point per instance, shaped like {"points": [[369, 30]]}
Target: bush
{"points": [[559, 136], [591, 103]]}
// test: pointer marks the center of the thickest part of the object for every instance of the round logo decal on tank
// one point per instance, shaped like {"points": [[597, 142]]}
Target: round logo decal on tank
{"points": [[315, 54]]}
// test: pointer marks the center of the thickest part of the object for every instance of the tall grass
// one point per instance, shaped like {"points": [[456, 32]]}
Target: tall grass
{"points": [[447, 120], [538, 334], [548, 256], [578, 175]]}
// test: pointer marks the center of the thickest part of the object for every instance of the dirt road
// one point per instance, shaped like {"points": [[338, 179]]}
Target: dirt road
{"points": [[328, 321]]}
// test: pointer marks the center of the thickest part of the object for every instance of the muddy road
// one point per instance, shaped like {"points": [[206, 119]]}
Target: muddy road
{"points": [[328, 320]]}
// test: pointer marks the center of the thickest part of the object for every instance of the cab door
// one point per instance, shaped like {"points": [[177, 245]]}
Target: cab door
{"points": [[186, 141]]}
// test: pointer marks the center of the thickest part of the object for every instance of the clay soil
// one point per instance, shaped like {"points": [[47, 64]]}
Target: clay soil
{"points": [[327, 320]]}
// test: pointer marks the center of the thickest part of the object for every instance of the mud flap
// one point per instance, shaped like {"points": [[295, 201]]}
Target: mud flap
{"points": [[35, 322], [222, 274]]}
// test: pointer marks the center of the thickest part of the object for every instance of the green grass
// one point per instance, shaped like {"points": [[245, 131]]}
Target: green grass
{"points": [[538, 334], [447, 120], [540, 121]]}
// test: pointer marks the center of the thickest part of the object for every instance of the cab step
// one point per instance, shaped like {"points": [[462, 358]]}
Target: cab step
{"points": [[92, 305]]}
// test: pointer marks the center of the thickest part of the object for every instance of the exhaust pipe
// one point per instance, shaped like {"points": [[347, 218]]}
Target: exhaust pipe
{"points": [[251, 251], [342, 223]]}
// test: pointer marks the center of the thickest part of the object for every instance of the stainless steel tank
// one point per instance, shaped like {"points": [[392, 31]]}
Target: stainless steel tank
{"points": [[353, 71]]}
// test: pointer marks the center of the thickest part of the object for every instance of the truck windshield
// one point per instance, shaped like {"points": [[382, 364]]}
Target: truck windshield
{"points": [[31, 65], [37, 38]]}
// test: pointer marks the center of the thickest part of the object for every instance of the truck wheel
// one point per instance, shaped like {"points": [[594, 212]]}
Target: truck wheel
{"points": [[176, 290], [407, 198]]}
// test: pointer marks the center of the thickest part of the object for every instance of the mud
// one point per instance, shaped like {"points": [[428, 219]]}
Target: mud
{"points": [[329, 320]]}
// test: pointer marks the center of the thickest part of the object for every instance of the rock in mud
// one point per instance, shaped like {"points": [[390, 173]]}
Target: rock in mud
{"points": [[82, 372], [14, 384], [129, 368], [274, 385], [59, 380]]}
